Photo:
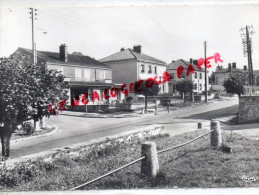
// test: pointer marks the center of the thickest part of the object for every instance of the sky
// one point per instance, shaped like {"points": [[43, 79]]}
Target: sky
{"points": [[166, 32]]}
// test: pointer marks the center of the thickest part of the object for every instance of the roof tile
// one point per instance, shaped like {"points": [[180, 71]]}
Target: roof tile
{"points": [[80, 60], [175, 64], [129, 54]]}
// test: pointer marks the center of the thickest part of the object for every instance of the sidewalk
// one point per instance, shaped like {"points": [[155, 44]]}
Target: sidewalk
{"points": [[139, 111], [99, 115]]}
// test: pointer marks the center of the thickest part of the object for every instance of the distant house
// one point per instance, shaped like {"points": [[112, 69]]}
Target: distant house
{"points": [[223, 73], [198, 77], [84, 73], [130, 65]]}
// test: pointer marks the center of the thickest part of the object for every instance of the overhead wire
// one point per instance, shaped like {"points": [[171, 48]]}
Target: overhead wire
{"points": [[90, 26]]}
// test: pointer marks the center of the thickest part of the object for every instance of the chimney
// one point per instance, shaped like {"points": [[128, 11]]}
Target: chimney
{"points": [[63, 52], [245, 68], [229, 67], [234, 65], [195, 62], [137, 48], [122, 49], [190, 60]]}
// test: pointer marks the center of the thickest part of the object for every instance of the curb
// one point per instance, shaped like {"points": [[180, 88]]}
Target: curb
{"points": [[55, 130], [225, 119], [102, 116]]}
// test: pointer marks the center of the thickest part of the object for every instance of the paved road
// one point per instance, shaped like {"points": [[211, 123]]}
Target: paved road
{"points": [[80, 129]]}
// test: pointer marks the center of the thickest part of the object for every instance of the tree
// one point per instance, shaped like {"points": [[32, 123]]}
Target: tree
{"points": [[184, 86], [257, 80], [147, 88], [27, 92], [235, 83]]}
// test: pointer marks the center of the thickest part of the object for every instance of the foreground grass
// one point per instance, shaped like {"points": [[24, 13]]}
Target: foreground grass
{"points": [[194, 165]]}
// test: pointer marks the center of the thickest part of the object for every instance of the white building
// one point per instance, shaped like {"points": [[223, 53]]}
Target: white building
{"points": [[130, 65], [84, 74], [198, 77]]}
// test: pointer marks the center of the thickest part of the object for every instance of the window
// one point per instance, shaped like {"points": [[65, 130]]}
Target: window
{"points": [[108, 74], [99, 75], [196, 75], [183, 75], [149, 69], [92, 75], [163, 88], [142, 68], [200, 87], [195, 86], [172, 75], [86, 74], [155, 70], [78, 73], [200, 75]]}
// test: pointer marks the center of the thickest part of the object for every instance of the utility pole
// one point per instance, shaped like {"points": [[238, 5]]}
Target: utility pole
{"points": [[247, 51], [206, 90], [33, 18]]}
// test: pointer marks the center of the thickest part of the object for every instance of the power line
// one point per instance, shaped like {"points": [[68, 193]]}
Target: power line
{"points": [[91, 25]]}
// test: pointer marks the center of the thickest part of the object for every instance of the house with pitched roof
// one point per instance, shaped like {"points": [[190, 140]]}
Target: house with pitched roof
{"points": [[130, 65], [198, 77], [223, 73], [85, 74]]}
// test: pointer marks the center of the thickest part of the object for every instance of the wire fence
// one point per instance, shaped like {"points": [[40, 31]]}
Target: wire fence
{"points": [[137, 160]]}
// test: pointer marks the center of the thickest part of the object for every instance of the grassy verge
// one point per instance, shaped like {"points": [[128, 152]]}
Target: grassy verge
{"points": [[194, 165]]}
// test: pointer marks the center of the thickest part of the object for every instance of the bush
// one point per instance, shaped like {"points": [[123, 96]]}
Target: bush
{"points": [[129, 99]]}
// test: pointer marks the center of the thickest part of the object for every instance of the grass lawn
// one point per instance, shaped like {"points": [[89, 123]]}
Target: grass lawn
{"points": [[194, 165]]}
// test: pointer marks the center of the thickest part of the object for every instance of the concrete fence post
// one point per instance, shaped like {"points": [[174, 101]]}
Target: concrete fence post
{"points": [[156, 113], [149, 165], [216, 138], [199, 125]]}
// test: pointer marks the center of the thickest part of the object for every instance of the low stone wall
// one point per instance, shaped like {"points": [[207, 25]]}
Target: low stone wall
{"points": [[197, 98], [123, 106], [248, 109], [76, 149], [133, 136], [90, 108]]}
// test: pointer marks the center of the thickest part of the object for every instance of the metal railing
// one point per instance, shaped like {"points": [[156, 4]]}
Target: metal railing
{"points": [[137, 160]]}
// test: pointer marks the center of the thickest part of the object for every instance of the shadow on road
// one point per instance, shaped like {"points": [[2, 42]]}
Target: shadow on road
{"points": [[233, 110]]}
